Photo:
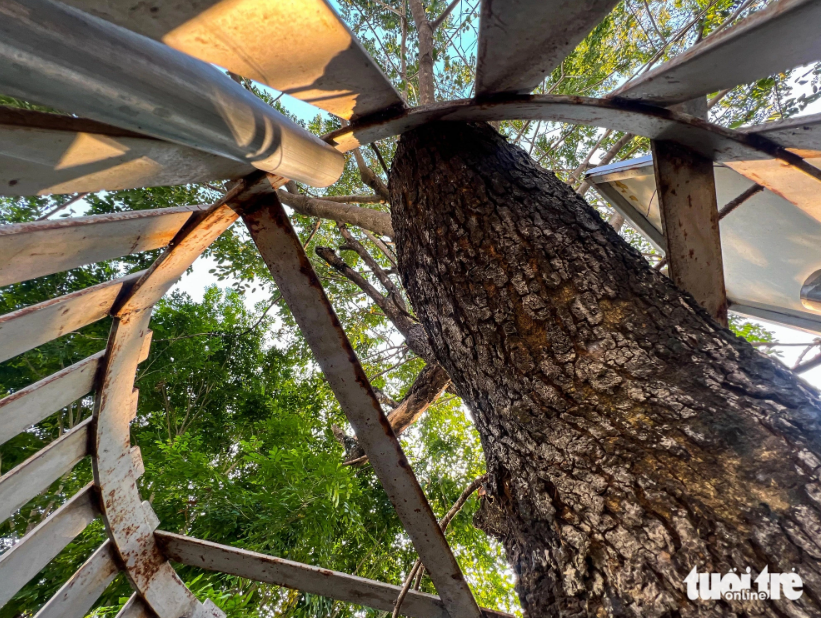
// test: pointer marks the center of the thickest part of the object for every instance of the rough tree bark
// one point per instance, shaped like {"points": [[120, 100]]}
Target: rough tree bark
{"points": [[628, 437]]}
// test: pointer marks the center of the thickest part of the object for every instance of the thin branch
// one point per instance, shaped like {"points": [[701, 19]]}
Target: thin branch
{"points": [[653, 21], [803, 354], [443, 524], [372, 264], [380, 159], [369, 177], [62, 206], [438, 21], [607, 158], [814, 362], [317, 225], [391, 368], [681, 32], [381, 246], [574, 177], [405, 588], [254, 326]]}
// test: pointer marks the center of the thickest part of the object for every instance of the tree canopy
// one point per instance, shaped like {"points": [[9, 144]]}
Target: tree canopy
{"points": [[235, 421]]}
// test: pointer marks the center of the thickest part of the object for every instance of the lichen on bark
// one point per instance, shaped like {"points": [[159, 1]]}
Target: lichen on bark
{"points": [[628, 437]]}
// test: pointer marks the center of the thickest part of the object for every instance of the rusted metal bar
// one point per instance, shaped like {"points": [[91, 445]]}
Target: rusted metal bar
{"points": [[133, 82], [313, 57], [36, 549], [76, 597], [129, 523], [689, 215], [709, 140], [300, 287], [31, 250], [297, 576], [522, 41], [781, 36], [43, 153], [32, 404], [793, 184], [738, 201], [35, 474], [30, 327]]}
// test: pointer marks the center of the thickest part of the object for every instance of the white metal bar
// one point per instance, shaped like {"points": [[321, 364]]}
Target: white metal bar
{"points": [[711, 141], [31, 250], [32, 404], [782, 36], [300, 287], [801, 133], [313, 56], [767, 163], [297, 576], [32, 326], [522, 41], [35, 550], [35, 474], [114, 474], [777, 315], [76, 597], [129, 524], [42, 154], [58, 56], [135, 607]]}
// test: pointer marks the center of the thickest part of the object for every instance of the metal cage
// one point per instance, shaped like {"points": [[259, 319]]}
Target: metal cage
{"points": [[152, 110]]}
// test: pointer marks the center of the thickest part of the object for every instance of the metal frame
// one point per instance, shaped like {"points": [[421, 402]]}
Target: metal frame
{"points": [[157, 113]]}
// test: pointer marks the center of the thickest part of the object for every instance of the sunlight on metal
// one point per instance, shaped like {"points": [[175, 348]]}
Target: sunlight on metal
{"points": [[300, 47], [770, 246]]}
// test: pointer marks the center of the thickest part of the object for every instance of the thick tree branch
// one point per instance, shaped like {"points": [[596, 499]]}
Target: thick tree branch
{"points": [[366, 218], [425, 32], [353, 199], [426, 389]]}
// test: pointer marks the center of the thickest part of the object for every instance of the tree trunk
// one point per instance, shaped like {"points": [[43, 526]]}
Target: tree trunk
{"points": [[628, 437]]}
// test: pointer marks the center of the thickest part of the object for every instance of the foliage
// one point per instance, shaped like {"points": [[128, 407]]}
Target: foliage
{"points": [[234, 418]]}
